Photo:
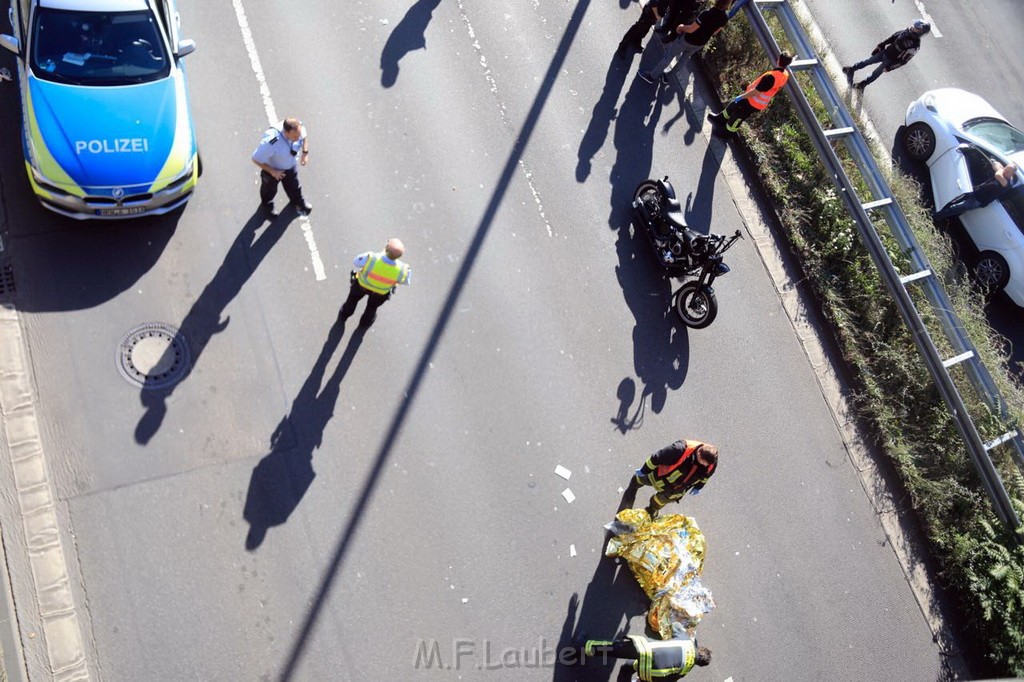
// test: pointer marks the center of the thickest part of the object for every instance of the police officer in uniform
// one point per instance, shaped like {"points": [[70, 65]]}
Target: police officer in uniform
{"points": [[375, 277], [684, 466], [656, 659], [279, 153]]}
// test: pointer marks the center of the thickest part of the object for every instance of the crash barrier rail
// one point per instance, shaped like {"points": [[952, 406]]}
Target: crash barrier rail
{"points": [[923, 277]]}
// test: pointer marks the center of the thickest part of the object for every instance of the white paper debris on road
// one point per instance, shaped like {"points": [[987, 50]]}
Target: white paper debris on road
{"points": [[572, 550], [563, 472], [567, 494], [465, 600]]}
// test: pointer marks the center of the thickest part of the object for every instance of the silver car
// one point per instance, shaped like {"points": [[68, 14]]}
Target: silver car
{"points": [[957, 134]]}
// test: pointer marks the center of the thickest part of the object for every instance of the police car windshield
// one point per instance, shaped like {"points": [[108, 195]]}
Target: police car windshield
{"points": [[1001, 135], [98, 48]]}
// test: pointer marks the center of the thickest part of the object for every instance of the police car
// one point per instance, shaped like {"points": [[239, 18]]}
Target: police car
{"points": [[105, 120]]}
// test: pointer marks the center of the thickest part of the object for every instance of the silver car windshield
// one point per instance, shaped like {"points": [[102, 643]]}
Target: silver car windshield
{"points": [[98, 48], [1000, 134]]}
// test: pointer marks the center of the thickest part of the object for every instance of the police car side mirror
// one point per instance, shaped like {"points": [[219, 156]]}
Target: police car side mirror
{"points": [[11, 43], [185, 47]]}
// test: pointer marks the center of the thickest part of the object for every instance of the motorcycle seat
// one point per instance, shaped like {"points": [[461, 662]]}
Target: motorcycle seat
{"points": [[675, 218]]}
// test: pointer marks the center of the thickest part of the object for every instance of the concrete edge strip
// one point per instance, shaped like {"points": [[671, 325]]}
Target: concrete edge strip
{"points": [[12, 658], [62, 633], [798, 310]]}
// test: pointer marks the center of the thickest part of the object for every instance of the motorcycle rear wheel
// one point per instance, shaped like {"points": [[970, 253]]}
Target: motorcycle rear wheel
{"points": [[645, 187], [696, 306]]}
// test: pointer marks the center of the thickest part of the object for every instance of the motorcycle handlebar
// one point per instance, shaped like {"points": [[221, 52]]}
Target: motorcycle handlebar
{"points": [[721, 243]]}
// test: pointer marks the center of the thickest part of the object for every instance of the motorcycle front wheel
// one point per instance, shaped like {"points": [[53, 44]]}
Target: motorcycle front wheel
{"points": [[696, 306]]}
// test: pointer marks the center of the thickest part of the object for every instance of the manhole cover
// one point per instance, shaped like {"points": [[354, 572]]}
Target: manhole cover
{"points": [[153, 356]]}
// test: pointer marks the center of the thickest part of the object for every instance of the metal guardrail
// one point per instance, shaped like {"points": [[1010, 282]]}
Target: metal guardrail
{"points": [[883, 203]]}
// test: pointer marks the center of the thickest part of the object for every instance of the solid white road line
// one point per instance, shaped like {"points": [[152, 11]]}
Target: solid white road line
{"points": [[268, 106]]}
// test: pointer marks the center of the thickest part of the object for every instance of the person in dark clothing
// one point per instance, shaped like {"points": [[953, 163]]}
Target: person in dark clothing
{"points": [[690, 39], [757, 96], [670, 12], [891, 53], [680, 468], [679, 12], [996, 187], [668, 660]]}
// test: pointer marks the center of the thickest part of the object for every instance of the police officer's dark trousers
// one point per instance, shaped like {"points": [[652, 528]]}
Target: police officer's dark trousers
{"points": [[268, 187], [623, 647], [373, 301], [880, 58]]}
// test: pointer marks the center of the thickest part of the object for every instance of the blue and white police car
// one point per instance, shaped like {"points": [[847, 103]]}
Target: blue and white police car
{"points": [[105, 119]]}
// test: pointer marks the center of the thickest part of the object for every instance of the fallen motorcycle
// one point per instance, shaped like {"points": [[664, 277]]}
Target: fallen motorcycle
{"points": [[681, 251]]}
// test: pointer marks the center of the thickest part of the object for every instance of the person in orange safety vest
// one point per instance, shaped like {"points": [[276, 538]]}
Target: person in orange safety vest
{"points": [[757, 96], [673, 471], [375, 277]]}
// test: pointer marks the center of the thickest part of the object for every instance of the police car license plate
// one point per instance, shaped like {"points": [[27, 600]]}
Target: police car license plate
{"points": [[127, 210]]}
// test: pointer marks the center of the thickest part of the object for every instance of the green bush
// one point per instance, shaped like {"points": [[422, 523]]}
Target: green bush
{"points": [[980, 564]]}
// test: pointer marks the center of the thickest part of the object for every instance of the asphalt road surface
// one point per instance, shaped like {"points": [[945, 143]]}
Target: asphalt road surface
{"points": [[314, 503], [973, 46]]}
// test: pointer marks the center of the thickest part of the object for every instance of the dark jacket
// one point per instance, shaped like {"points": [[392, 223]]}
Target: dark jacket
{"points": [[900, 48], [681, 12]]}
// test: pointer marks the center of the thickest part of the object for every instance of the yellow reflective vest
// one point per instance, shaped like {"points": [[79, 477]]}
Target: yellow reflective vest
{"points": [[759, 100], [380, 274], [666, 658]]}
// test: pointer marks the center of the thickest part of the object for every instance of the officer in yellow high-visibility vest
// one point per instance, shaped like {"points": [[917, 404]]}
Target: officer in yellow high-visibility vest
{"points": [[376, 275], [757, 96], [653, 659], [682, 467]]}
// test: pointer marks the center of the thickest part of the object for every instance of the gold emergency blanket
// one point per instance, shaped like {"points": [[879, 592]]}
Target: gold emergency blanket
{"points": [[666, 556]]}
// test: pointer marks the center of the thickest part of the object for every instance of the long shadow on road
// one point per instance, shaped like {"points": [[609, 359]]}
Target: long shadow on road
{"points": [[612, 598], [355, 518], [281, 478], [409, 34], [700, 203], [203, 319], [602, 115], [687, 109], [660, 346]]}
